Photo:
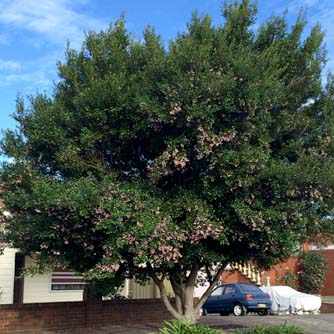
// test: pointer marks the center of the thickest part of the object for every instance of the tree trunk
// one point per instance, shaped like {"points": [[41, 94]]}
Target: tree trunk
{"points": [[189, 313], [184, 307]]}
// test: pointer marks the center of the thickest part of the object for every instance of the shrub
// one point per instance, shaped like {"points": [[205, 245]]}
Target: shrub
{"points": [[278, 329], [290, 279], [313, 268], [185, 327]]}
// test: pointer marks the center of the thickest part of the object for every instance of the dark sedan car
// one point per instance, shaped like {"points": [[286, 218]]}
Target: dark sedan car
{"points": [[238, 298]]}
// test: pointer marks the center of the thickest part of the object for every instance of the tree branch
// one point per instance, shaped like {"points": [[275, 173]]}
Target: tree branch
{"points": [[163, 293], [193, 274], [208, 273], [210, 288]]}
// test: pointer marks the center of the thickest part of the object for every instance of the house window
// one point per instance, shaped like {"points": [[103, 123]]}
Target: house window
{"points": [[66, 280]]}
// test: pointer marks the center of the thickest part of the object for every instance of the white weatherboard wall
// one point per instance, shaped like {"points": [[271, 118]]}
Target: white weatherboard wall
{"points": [[37, 289], [7, 273]]}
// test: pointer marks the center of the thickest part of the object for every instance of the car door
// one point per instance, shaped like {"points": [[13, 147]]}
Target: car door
{"points": [[228, 297], [213, 303]]}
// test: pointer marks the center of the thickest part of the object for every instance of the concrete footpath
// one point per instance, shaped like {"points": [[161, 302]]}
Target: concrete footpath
{"points": [[311, 324], [114, 329]]}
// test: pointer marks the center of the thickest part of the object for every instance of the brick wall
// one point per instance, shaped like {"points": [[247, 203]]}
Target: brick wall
{"points": [[233, 277], [327, 308], [37, 318], [328, 289], [278, 272]]}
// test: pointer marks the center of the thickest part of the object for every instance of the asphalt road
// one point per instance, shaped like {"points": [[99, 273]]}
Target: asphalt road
{"points": [[311, 324]]}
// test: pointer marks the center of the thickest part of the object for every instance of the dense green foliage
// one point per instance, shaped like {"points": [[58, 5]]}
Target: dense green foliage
{"points": [[290, 278], [313, 267], [185, 327], [278, 329], [156, 162]]}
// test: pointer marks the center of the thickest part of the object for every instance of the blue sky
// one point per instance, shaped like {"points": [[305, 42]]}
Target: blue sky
{"points": [[33, 34]]}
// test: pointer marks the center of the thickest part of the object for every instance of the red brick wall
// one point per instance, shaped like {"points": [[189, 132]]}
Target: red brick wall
{"points": [[327, 308], [328, 289], [278, 272], [235, 277], [36, 318]]}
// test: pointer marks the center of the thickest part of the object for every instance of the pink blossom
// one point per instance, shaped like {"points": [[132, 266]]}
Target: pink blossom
{"points": [[108, 268]]}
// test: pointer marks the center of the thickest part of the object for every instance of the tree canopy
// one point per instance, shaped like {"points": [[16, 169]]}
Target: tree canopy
{"points": [[154, 161]]}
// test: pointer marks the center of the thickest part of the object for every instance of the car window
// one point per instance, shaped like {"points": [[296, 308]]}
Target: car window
{"points": [[229, 290], [246, 288], [218, 291]]}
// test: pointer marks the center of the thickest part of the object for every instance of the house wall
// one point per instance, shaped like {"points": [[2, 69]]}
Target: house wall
{"points": [[7, 273], [328, 289], [37, 289], [232, 276], [279, 272]]}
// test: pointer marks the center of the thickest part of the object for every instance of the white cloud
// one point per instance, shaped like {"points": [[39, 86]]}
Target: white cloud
{"points": [[37, 78], [10, 65], [30, 76], [3, 39], [317, 11], [50, 24], [322, 12], [55, 20]]}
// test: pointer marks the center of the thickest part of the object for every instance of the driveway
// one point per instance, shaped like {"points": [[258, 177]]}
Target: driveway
{"points": [[311, 324]]}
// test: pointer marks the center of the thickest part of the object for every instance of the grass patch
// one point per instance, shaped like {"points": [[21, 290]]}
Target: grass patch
{"points": [[278, 329], [328, 299], [185, 327]]}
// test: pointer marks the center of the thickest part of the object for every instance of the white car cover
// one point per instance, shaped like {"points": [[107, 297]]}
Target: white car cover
{"points": [[286, 300]]}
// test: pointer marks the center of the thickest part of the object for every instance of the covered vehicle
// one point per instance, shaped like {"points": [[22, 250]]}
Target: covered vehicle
{"points": [[239, 298], [286, 300]]}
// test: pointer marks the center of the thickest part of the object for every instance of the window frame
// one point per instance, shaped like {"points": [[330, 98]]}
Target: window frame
{"points": [[62, 278]]}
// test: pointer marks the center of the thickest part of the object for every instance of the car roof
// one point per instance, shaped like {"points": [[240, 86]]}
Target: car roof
{"points": [[237, 284]]}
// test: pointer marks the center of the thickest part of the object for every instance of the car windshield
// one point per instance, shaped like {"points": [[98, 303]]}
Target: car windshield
{"points": [[249, 288]]}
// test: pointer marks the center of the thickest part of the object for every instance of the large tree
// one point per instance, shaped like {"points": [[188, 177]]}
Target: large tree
{"points": [[157, 162]]}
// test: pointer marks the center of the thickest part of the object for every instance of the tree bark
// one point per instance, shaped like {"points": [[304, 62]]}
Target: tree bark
{"points": [[178, 295], [189, 311]]}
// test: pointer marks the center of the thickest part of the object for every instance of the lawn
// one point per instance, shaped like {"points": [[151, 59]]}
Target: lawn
{"points": [[327, 299]]}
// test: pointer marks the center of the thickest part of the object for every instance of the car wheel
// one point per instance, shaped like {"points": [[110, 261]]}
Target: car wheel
{"points": [[224, 313], [204, 311], [238, 310], [262, 312]]}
